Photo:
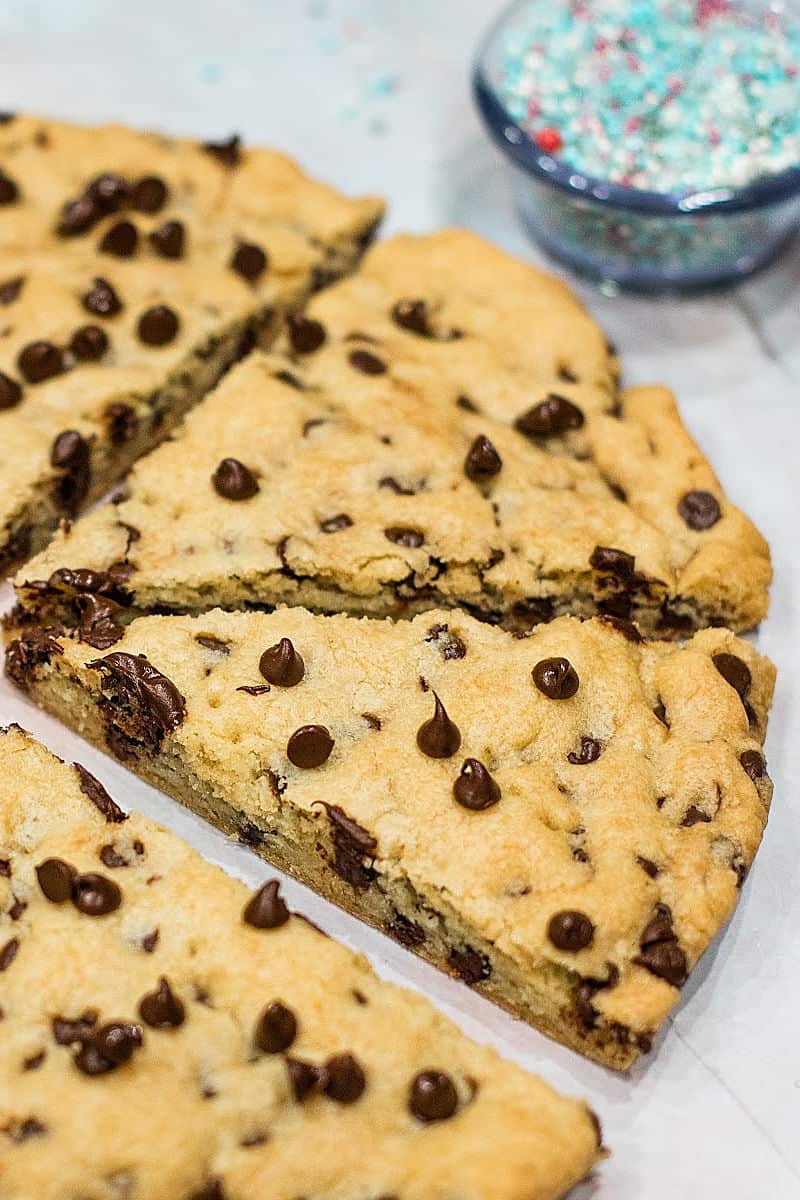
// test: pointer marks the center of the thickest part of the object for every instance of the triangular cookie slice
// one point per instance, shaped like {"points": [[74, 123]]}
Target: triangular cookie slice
{"points": [[564, 819], [166, 1034], [465, 447]]}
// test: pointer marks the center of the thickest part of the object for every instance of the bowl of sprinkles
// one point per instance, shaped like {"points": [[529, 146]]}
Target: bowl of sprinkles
{"points": [[656, 143]]}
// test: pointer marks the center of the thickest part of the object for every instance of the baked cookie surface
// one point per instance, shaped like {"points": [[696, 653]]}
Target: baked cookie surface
{"points": [[167, 1034], [564, 819], [465, 448]]}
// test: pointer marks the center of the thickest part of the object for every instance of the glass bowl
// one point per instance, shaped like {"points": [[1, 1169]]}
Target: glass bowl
{"points": [[636, 239]]}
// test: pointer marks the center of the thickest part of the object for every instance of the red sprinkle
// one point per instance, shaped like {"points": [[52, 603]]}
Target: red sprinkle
{"points": [[548, 140]]}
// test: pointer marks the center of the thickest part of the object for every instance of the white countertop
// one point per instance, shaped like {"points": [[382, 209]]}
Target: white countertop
{"points": [[375, 96]]}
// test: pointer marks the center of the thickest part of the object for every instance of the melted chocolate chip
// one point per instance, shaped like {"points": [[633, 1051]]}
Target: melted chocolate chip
{"points": [[305, 334], [8, 953], [227, 152], [234, 481], [149, 194], [123, 423], [56, 879], [734, 671], [556, 678], [438, 737], [39, 361], [101, 299], [535, 610], [753, 763], [433, 1096], [345, 1080], [482, 462], [157, 326], [28, 652], [475, 788], [367, 363], [700, 510], [281, 665], [9, 192], [335, 523], [156, 705], [120, 240], [589, 751], [71, 454], [266, 909], [168, 239], [551, 417], [276, 1028], [249, 261], [304, 1077], [623, 626], [99, 797], [10, 392], [89, 343], [570, 930], [309, 746], [95, 895], [352, 844], [10, 290], [402, 536], [612, 562], [162, 1009]]}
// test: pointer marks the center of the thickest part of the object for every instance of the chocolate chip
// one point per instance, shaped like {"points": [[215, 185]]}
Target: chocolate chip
{"points": [[149, 941], [66, 1031], [449, 644], [694, 816], [9, 191], [157, 326], [475, 788], [209, 642], [700, 510], [168, 239], [8, 953], [403, 536], [22, 1131], [612, 562], [482, 462], [399, 489], [212, 1190], [10, 290], [570, 930], [305, 334], [99, 797], [89, 343], [35, 1061], [290, 380], [109, 1047], [345, 1080], [95, 896], [659, 928], [466, 404], [227, 152], [406, 931], [234, 481], [249, 261], [556, 678], [149, 194], [753, 763], [111, 858], [667, 961], [660, 713], [439, 737], [334, 524], [733, 671], [266, 909], [623, 626], [56, 879], [282, 665], [648, 866], [567, 375], [413, 316], [10, 392], [352, 844], [39, 361], [77, 216], [469, 965], [367, 363], [110, 192], [304, 1077], [553, 416], [162, 1009], [433, 1096], [120, 240], [28, 652], [123, 423], [71, 454], [309, 746], [5, 868], [157, 705], [276, 1028], [589, 751], [101, 299]]}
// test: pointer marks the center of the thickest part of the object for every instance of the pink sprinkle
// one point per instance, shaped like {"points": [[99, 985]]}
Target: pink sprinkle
{"points": [[600, 44], [633, 62], [714, 136], [603, 73], [791, 72], [534, 108], [632, 124]]}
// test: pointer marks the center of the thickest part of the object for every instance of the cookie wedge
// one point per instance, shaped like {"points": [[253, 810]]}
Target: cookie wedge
{"points": [[465, 448], [564, 820], [166, 1034]]}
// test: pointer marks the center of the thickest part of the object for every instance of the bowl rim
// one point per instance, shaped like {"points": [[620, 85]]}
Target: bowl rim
{"points": [[517, 144]]}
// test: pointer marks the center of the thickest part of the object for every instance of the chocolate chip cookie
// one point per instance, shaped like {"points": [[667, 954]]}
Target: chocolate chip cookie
{"points": [[563, 820]]}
